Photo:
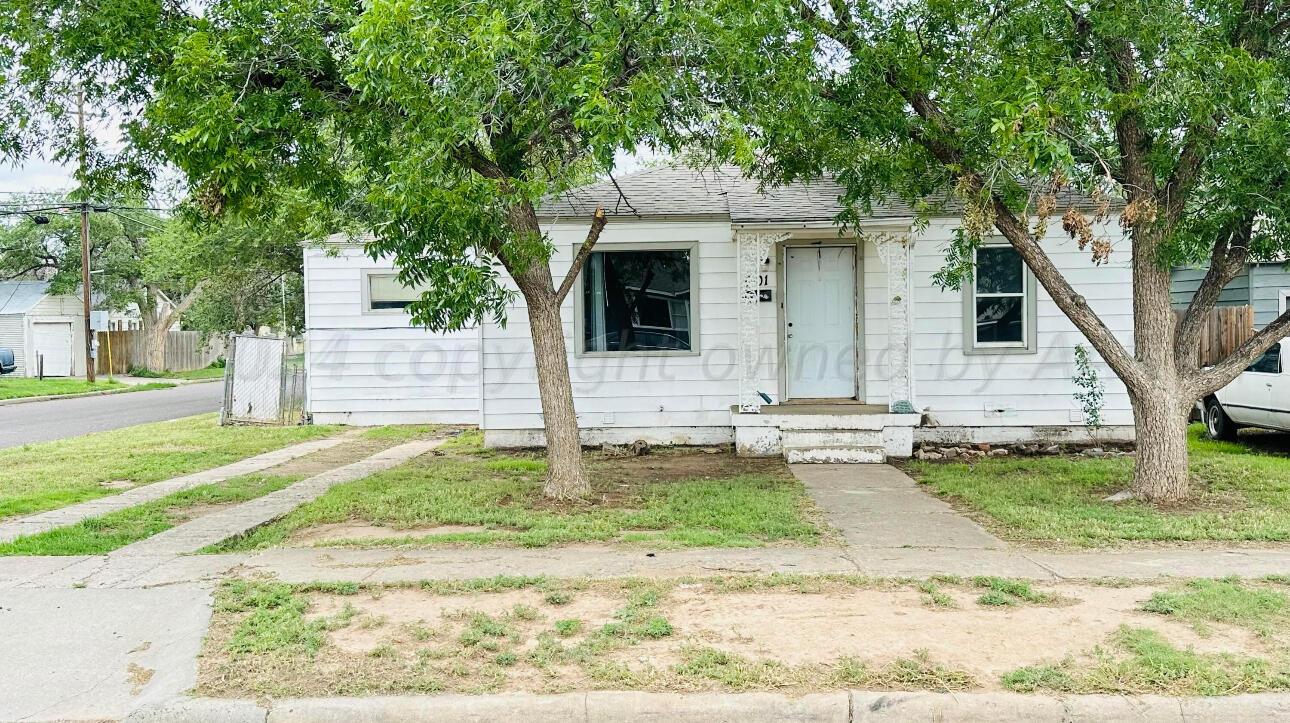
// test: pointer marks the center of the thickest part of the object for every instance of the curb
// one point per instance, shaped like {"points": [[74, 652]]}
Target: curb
{"points": [[838, 707]]}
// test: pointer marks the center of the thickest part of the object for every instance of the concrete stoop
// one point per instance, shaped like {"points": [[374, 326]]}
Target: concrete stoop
{"points": [[838, 707], [806, 435]]}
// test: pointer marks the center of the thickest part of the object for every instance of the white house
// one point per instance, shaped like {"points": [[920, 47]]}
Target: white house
{"points": [[712, 313]]}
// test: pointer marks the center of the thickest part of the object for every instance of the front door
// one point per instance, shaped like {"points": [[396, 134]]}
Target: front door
{"points": [[820, 322]]}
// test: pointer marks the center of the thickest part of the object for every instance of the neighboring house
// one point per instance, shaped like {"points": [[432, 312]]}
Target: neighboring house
{"points": [[1264, 286], [711, 313], [35, 324]]}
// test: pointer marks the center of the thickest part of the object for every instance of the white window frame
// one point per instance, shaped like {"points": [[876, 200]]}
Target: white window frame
{"points": [[1284, 295], [1029, 311], [367, 293], [579, 320]]}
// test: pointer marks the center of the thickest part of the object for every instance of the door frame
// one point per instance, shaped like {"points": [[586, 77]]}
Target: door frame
{"points": [[824, 238]]}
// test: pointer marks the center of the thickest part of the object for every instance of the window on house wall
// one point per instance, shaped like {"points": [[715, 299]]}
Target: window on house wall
{"points": [[1000, 304], [386, 293], [639, 301]]}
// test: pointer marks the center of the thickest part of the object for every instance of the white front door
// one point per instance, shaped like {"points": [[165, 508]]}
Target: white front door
{"points": [[53, 341], [820, 322]]}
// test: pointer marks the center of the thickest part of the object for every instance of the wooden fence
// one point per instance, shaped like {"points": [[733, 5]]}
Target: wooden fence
{"points": [[185, 350], [1227, 328]]}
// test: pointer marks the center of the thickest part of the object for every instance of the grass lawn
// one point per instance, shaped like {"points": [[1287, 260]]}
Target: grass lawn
{"points": [[1240, 494], [210, 372], [99, 535], [21, 387], [470, 495], [55, 474]]}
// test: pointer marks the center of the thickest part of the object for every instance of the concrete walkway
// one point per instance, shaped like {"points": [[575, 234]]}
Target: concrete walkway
{"points": [[43, 521], [164, 558], [878, 506]]}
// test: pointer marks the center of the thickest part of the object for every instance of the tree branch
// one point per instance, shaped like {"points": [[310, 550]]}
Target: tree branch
{"points": [[1230, 254], [186, 303], [598, 221], [1074, 305], [1221, 374]]}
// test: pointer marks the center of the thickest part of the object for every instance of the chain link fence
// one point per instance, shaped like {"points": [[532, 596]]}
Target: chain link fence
{"points": [[262, 385]]}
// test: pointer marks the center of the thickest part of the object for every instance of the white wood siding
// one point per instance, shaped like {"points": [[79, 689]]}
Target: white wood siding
{"points": [[679, 398], [1013, 389], [13, 335], [375, 368], [368, 369]]}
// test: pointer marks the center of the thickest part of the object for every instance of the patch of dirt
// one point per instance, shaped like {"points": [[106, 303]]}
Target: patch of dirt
{"points": [[410, 640], [139, 677], [118, 484], [883, 625], [618, 481], [353, 530]]}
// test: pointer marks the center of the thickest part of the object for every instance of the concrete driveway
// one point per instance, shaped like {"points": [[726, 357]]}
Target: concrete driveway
{"points": [[60, 418]]}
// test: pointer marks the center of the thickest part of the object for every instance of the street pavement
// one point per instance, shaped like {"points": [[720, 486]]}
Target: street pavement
{"points": [[61, 418]]}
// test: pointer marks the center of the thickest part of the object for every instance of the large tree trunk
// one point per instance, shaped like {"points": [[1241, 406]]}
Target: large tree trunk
{"points": [[1160, 474], [566, 478], [1160, 421], [156, 338]]}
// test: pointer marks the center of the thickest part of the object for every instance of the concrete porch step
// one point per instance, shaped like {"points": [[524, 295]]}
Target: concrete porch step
{"points": [[831, 437], [835, 455]]}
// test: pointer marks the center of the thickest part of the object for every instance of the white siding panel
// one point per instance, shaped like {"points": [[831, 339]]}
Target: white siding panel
{"points": [[13, 336], [681, 391], [1017, 389], [377, 368]]}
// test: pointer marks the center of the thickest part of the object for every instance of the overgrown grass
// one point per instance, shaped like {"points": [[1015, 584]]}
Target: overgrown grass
{"points": [[1142, 662], [214, 371], [99, 535], [1001, 592], [23, 387], [1227, 601], [500, 494], [1240, 494], [54, 474]]}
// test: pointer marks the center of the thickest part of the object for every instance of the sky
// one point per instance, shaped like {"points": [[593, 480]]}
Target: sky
{"points": [[36, 175], [42, 175]]}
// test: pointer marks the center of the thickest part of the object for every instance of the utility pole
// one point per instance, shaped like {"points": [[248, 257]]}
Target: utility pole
{"points": [[86, 293]]}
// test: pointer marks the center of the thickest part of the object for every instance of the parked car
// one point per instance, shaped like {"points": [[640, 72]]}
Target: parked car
{"points": [[1260, 397], [7, 364]]}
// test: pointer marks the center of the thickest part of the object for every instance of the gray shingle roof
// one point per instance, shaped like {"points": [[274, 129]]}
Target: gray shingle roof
{"points": [[681, 191], [17, 297]]}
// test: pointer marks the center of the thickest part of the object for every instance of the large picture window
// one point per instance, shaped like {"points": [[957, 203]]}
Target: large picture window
{"points": [[1000, 303], [638, 301], [386, 293]]}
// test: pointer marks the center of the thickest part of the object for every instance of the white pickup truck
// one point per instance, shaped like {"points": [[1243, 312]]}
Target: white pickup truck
{"points": [[1260, 397]]}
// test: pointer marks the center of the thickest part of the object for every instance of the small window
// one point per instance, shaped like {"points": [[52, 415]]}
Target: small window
{"points": [[1269, 363], [638, 301], [386, 293], [999, 304]]}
